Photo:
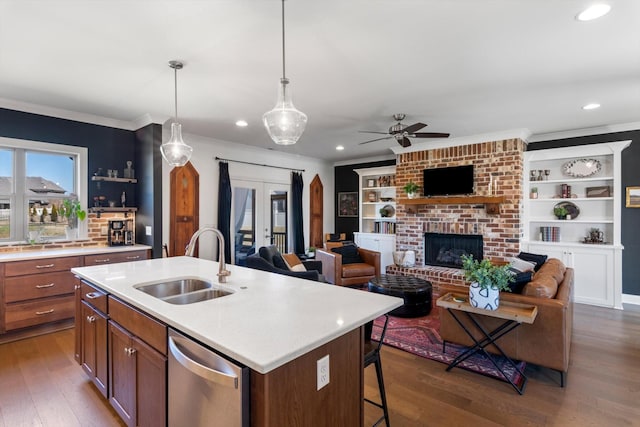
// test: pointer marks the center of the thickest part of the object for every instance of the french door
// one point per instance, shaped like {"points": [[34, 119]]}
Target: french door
{"points": [[259, 217]]}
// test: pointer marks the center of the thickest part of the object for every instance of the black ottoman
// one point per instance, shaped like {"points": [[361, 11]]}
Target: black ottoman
{"points": [[415, 292]]}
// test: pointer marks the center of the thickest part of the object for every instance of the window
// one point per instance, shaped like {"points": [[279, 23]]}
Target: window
{"points": [[35, 178]]}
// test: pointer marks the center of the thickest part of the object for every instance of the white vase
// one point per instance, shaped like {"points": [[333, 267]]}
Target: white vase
{"points": [[411, 195], [487, 298], [72, 233]]}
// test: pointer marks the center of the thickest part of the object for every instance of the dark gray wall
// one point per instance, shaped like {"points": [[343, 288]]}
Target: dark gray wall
{"points": [[630, 216], [347, 180], [149, 172], [108, 148]]}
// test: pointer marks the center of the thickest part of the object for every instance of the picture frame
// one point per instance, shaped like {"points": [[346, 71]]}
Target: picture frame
{"points": [[603, 191], [371, 182], [633, 197], [348, 204]]}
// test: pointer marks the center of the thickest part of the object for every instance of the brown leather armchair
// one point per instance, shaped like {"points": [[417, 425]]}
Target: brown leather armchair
{"points": [[348, 274]]}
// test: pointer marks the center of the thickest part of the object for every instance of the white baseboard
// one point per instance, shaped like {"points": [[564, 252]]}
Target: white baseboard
{"points": [[632, 300]]}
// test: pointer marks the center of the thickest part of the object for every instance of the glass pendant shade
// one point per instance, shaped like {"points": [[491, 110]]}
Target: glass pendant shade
{"points": [[285, 124], [175, 151]]}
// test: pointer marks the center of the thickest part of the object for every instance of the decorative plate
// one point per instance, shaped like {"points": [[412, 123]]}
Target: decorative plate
{"points": [[571, 208], [581, 168], [387, 211], [386, 199]]}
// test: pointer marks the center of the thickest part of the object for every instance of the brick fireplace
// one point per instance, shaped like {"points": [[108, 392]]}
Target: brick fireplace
{"points": [[496, 162]]}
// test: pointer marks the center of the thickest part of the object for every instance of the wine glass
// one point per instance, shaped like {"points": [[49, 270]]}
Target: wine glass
{"points": [[533, 175], [547, 172]]}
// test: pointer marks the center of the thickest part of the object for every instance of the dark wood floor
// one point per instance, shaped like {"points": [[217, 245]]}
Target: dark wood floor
{"points": [[40, 384]]}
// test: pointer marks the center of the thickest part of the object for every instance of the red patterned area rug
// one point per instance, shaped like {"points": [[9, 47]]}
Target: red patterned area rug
{"points": [[420, 336]]}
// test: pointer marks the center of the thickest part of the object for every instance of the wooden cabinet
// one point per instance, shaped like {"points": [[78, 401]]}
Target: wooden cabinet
{"points": [[137, 369], [93, 326], [590, 177], [37, 292], [114, 257]]}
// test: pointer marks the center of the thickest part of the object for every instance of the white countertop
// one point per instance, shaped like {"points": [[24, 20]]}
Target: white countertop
{"points": [[53, 253], [269, 320]]}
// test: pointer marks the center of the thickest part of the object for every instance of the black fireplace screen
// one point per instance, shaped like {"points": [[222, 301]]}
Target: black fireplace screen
{"points": [[446, 250]]}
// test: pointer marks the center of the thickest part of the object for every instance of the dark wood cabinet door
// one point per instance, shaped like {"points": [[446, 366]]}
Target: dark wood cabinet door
{"points": [[101, 377], [122, 377], [88, 331], [151, 381], [184, 210], [316, 196]]}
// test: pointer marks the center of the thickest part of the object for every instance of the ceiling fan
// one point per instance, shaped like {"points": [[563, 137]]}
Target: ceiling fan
{"points": [[402, 133]]}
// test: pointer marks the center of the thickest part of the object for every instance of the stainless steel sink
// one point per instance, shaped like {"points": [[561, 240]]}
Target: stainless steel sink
{"points": [[183, 291], [197, 296], [174, 287]]}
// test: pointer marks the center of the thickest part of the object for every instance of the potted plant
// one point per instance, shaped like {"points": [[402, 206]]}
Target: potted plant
{"points": [[534, 193], [72, 211], [560, 212], [411, 188], [311, 253], [487, 280]]}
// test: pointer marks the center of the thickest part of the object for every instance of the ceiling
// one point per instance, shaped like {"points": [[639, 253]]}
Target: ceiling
{"points": [[466, 67]]}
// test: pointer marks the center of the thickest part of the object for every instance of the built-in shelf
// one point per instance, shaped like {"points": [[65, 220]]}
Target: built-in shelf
{"points": [[491, 203], [100, 210], [107, 179]]}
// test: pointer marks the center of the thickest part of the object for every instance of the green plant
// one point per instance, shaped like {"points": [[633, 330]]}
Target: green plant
{"points": [[71, 208], [534, 189], [560, 212], [411, 187], [54, 214], [312, 248], [486, 274]]}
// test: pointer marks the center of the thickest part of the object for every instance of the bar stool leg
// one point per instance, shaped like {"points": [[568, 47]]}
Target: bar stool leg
{"points": [[383, 395]]}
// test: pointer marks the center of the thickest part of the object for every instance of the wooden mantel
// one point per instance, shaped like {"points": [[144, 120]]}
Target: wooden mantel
{"points": [[492, 203]]}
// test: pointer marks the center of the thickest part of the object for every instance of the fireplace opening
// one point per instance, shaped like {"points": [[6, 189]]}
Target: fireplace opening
{"points": [[446, 250]]}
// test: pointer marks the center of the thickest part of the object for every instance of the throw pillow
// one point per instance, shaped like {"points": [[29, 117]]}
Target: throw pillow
{"points": [[541, 287], [538, 260], [349, 254], [520, 280], [519, 265], [293, 262]]}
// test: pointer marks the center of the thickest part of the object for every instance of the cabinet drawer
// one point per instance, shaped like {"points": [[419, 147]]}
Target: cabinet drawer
{"points": [[23, 314], [38, 286], [139, 324], [93, 296], [113, 257], [37, 266]]}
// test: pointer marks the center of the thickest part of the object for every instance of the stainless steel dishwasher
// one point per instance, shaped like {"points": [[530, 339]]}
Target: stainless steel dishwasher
{"points": [[205, 389]]}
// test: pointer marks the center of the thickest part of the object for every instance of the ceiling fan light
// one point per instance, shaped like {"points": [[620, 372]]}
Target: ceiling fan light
{"points": [[175, 151], [284, 123]]}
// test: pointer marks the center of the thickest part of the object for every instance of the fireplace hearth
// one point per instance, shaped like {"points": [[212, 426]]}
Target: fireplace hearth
{"points": [[446, 250]]}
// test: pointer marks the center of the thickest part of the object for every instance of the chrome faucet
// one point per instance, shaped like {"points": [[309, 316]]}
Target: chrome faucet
{"points": [[191, 248]]}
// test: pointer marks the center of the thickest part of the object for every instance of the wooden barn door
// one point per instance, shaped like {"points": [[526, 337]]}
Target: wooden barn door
{"points": [[184, 212], [315, 212]]}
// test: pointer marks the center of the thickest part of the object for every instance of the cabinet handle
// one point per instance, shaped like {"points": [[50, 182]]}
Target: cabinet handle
{"points": [[129, 351], [101, 260], [134, 257], [93, 295], [45, 266], [91, 319], [50, 285], [41, 313]]}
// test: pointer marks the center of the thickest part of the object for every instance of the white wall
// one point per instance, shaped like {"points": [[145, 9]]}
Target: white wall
{"points": [[205, 151]]}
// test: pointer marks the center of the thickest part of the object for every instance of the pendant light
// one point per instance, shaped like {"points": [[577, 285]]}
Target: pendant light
{"points": [[175, 151], [284, 123]]}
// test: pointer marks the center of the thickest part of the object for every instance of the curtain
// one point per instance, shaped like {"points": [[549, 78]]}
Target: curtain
{"points": [[296, 213], [224, 208]]}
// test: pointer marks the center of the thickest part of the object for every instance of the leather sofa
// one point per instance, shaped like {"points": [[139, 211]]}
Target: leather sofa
{"points": [[269, 259], [546, 342]]}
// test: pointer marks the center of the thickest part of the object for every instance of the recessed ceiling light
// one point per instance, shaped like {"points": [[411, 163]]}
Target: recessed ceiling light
{"points": [[242, 123], [340, 147], [593, 12], [591, 106]]}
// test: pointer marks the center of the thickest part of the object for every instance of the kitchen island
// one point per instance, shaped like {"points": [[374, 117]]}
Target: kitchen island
{"points": [[278, 326]]}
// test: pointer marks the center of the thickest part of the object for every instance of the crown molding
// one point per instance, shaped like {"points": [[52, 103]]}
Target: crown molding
{"points": [[575, 133]]}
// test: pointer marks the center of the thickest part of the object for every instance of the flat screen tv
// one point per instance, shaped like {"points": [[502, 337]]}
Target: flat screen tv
{"points": [[449, 181]]}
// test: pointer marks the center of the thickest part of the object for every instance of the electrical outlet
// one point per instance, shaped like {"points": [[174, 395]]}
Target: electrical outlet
{"points": [[104, 230], [147, 230], [323, 372]]}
